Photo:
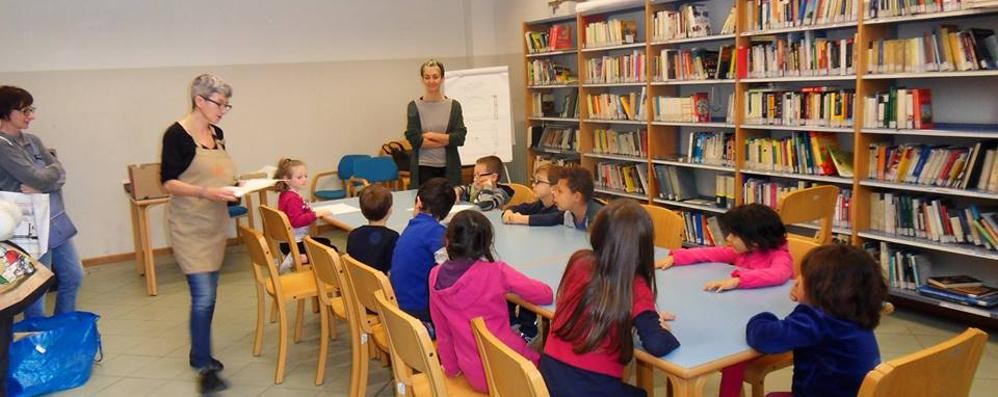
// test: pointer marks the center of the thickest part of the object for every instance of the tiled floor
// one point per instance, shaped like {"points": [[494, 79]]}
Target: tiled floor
{"points": [[145, 340]]}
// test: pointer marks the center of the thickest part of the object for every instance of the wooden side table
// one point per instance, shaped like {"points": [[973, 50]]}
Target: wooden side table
{"points": [[144, 259]]}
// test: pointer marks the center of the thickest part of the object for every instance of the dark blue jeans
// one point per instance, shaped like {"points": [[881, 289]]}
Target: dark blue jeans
{"points": [[204, 288], [65, 263]]}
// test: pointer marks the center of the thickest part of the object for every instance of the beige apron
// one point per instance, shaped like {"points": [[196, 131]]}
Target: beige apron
{"points": [[198, 226]]}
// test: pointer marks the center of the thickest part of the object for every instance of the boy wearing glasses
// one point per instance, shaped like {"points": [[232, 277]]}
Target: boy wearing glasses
{"points": [[542, 212], [485, 191]]}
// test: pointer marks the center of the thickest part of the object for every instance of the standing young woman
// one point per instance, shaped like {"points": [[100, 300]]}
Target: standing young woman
{"points": [[435, 128], [195, 167], [27, 166]]}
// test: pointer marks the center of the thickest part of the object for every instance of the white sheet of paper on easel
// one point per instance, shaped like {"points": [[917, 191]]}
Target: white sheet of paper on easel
{"points": [[336, 209]]}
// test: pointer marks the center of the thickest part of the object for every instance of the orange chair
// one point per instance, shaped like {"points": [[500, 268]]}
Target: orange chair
{"points": [[277, 230], [414, 358], [521, 194], [508, 373], [946, 369], [363, 282], [808, 205], [669, 226], [329, 282], [295, 286]]}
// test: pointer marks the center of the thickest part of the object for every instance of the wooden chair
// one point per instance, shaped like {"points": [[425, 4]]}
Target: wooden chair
{"points": [[277, 230], [521, 194], [414, 358], [808, 205], [363, 282], [294, 286], [669, 226], [344, 170], [946, 369], [329, 282], [508, 373]]}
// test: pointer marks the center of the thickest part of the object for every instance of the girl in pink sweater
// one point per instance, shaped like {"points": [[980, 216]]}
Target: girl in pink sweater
{"points": [[757, 246], [294, 177], [473, 284]]}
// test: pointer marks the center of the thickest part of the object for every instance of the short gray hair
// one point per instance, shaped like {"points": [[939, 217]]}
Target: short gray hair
{"points": [[207, 84]]}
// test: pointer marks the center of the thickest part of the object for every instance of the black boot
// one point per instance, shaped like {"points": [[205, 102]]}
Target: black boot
{"points": [[214, 365], [209, 382]]}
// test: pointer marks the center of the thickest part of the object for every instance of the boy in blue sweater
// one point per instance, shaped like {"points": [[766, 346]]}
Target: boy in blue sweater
{"points": [[542, 212], [841, 291], [414, 251]]}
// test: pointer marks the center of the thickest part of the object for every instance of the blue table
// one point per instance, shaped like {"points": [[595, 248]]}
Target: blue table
{"points": [[710, 326]]}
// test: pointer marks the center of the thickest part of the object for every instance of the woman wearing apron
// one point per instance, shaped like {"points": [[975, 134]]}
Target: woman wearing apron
{"points": [[195, 168], [27, 166]]}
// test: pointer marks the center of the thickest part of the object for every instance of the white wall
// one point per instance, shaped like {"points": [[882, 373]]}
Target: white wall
{"points": [[312, 79]]}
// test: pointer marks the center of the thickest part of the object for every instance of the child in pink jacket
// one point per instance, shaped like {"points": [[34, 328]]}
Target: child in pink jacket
{"points": [[757, 246], [473, 284]]}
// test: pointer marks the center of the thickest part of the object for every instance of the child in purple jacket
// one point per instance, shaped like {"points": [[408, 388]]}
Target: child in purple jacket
{"points": [[473, 284], [757, 246]]}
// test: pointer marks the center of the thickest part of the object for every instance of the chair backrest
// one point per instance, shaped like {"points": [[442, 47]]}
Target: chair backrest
{"points": [[260, 259], [946, 369], [324, 263], [808, 205], [345, 167], [669, 226], [412, 348], [507, 372], [800, 246], [277, 229], [521, 194], [365, 281], [376, 169]]}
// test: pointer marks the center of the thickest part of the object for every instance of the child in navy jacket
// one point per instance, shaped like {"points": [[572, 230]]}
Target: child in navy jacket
{"points": [[841, 291]]}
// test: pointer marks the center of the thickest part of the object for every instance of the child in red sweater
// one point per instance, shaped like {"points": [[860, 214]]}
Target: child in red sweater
{"points": [[757, 246], [473, 284], [605, 293], [294, 178]]}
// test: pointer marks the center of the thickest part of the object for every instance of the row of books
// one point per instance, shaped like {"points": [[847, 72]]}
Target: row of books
{"points": [[777, 14], [543, 105], [556, 38], [611, 32], [710, 147], [626, 143], [811, 153], [694, 108], [554, 159], [559, 138], [904, 269], [694, 64], [628, 68], [896, 8], [960, 289], [799, 54], [907, 269], [810, 107], [690, 20], [608, 106], [932, 219], [909, 108], [679, 184], [944, 49], [770, 193], [546, 71], [701, 229], [936, 165], [621, 176]]}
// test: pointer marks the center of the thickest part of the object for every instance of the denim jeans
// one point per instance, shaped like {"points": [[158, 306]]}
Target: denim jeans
{"points": [[204, 288], [65, 263]]}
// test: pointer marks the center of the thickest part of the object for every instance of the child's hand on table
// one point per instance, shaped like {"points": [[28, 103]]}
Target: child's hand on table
{"points": [[664, 263], [722, 285], [509, 216], [664, 318]]}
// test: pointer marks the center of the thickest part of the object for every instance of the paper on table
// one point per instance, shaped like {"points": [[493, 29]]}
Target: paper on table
{"points": [[250, 186], [336, 209]]}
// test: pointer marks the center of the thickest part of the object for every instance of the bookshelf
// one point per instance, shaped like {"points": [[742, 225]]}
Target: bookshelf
{"points": [[962, 103]]}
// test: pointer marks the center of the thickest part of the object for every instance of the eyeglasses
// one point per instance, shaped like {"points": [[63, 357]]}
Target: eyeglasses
{"points": [[224, 106], [484, 174], [28, 110], [539, 182]]}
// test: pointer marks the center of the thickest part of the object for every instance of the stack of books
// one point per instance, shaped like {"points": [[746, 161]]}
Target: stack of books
{"points": [[691, 20], [548, 72], [712, 148], [692, 109], [563, 139], [936, 165], [693, 64], [777, 14], [771, 193], [960, 289], [798, 54], [611, 33], [616, 107], [557, 38], [701, 229], [622, 176], [894, 8], [943, 50]]}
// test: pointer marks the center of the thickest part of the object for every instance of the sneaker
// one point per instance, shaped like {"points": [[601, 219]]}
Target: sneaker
{"points": [[214, 365], [209, 382], [528, 338]]}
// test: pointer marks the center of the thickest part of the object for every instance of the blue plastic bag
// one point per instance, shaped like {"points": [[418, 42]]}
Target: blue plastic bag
{"points": [[59, 355]]}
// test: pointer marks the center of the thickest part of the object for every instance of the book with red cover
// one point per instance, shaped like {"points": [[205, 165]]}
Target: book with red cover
{"points": [[741, 62], [923, 108], [701, 107], [560, 37]]}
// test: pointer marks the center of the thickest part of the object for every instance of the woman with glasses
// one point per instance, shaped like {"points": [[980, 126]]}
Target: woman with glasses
{"points": [[435, 128], [27, 166], [195, 169]]}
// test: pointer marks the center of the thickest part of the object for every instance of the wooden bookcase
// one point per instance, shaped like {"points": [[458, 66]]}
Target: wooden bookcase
{"points": [[666, 139]]}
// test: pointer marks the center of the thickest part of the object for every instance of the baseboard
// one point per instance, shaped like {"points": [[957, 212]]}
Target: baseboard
{"points": [[125, 256]]}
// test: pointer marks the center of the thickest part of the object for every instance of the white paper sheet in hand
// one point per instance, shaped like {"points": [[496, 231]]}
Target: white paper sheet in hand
{"points": [[250, 185], [455, 209], [336, 209]]}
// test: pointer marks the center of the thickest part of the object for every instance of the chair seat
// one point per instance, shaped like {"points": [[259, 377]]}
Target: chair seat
{"points": [[297, 285], [339, 307], [380, 336], [237, 210], [456, 386], [330, 194]]}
